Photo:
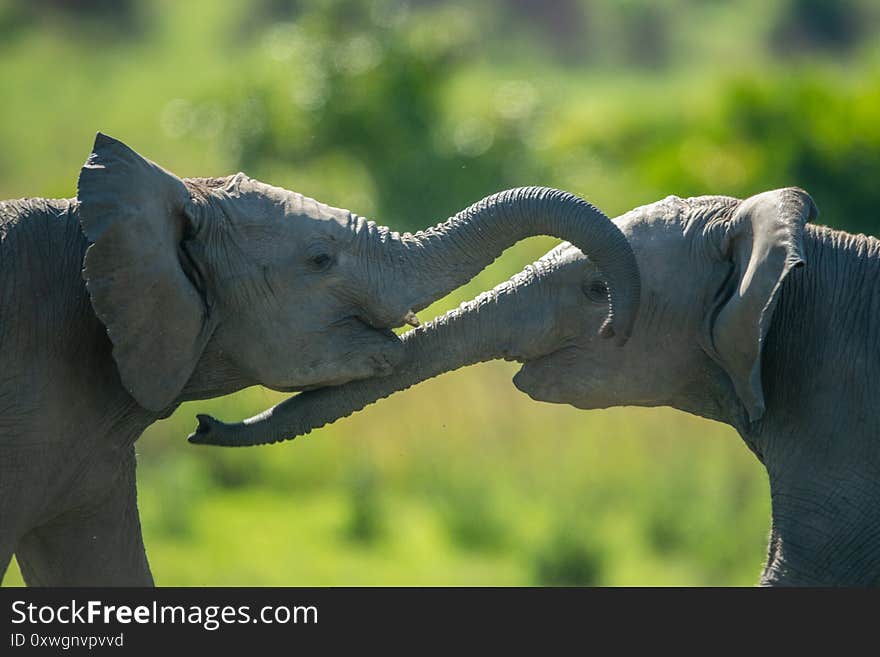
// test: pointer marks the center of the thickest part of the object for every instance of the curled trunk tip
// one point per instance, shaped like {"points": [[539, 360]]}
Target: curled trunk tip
{"points": [[211, 431], [207, 432]]}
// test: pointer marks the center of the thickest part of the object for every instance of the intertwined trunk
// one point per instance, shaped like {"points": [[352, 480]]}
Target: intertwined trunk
{"points": [[431, 263]]}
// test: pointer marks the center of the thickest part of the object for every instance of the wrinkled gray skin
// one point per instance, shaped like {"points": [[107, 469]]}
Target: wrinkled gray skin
{"points": [[749, 316], [147, 290]]}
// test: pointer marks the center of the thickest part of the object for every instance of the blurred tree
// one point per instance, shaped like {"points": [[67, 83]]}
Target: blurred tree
{"points": [[366, 521], [569, 557], [808, 25], [378, 94], [126, 17], [562, 24], [646, 41], [821, 137]]}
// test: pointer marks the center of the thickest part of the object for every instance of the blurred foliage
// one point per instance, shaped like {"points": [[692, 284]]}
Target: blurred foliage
{"points": [[367, 514], [407, 112], [568, 558]]}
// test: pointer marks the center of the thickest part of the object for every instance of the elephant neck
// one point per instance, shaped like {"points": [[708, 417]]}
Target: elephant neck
{"points": [[825, 528], [820, 436], [825, 495], [713, 397]]}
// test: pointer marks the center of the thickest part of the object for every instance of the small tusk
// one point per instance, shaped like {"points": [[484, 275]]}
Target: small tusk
{"points": [[411, 319]]}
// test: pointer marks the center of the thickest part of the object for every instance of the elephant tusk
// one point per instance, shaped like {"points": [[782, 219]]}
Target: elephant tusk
{"points": [[411, 319]]}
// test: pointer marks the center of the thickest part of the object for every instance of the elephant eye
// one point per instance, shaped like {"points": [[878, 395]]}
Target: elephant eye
{"points": [[596, 290], [321, 261]]}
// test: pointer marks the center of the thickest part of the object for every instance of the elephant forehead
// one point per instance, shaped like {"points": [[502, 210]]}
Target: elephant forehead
{"points": [[654, 230], [666, 248], [256, 202], [666, 213]]}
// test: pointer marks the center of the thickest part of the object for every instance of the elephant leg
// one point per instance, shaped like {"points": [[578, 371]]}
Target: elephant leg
{"points": [[21, 486], [98, 544], [10, 523], [7, 547]]}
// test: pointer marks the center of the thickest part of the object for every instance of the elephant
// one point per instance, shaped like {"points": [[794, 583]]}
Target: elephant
{"points": [[148, 290], [749, 315]]}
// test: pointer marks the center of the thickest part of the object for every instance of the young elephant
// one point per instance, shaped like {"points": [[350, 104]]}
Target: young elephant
{"points": [[748, 316], [147, 290]]}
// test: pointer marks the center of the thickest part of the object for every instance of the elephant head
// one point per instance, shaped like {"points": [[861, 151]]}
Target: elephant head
{"points": [[208, 285], [711, 270]]}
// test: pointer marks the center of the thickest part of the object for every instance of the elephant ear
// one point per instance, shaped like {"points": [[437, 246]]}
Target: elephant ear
{"points": [[764, 241], [132, 211]]}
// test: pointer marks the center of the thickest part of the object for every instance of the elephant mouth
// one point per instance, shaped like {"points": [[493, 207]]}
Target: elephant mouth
{"points": [[380, 365], [386, 320], [526, 382], [362, 323], [542, 371], [359, 351]]}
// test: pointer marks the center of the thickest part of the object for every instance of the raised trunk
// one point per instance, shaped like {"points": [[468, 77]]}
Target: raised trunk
{"points": [[432, 263], [486, 328]]}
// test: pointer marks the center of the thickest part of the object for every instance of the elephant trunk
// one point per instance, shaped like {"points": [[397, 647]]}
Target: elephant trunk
{"points": [[432, 263], [488, 327]]}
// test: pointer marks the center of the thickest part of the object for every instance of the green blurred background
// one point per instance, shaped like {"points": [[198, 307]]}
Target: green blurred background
{"points": [[406, 112]]}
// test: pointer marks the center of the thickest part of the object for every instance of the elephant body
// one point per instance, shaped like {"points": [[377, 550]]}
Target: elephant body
{"points": [[67, 425], [148, 290], [820, 436], [749, 315]]}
